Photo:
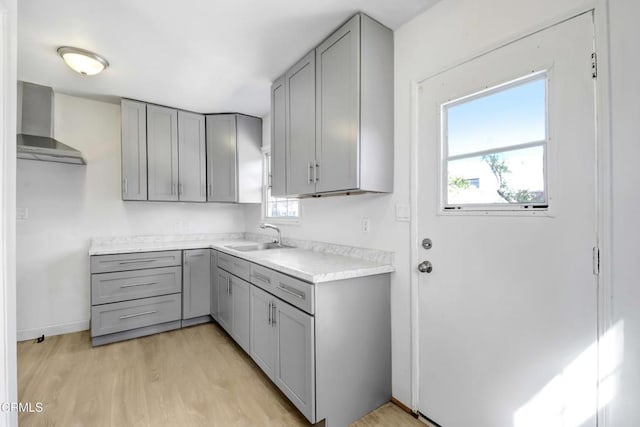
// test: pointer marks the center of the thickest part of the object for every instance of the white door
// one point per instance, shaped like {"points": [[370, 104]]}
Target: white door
{"points": [[506, 193]]}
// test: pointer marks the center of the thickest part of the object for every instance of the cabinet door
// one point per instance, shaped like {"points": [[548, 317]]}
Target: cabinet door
{"points": [[221, 158], [241, 312], [162, 153], [214, 285], [300, 126], [337, 109], [263, 331], [192, 158], [249, 159], [278, 142], [225, 307], [196, 283], [295, 363], [134, 150]]}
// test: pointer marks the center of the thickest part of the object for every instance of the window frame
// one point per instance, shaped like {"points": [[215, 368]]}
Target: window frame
{"points": [[496, 208], [266, 187]]}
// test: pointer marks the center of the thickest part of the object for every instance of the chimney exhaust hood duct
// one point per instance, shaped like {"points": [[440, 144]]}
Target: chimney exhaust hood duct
{"points": [[35, 127]]}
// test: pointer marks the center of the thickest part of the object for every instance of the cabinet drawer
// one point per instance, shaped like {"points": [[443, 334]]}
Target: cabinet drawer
{"points": [[294, 291], [122, 316], [235, 266], [128, 285], [263, 277], [135, 261]]}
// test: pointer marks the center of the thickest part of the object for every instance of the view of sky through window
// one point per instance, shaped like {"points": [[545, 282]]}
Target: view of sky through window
{"points": [[495, 145]]}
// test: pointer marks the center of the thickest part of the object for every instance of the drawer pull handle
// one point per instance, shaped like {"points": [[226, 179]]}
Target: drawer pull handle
{"points": [[286, 290], [137, 261], [129, 316], [139, 284], [262, 277]]}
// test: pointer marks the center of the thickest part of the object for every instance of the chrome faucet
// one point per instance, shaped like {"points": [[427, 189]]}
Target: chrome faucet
{"points": [[278, 241]]}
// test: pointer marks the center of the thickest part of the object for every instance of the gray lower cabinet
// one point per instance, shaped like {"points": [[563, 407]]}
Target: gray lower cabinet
{"points": [[234, 158], [241, 311], [135, 294], [128, 285], [295, 352], [214, 310], [263, 332], [128, 315], [196, 285], [162, 153], [234, 304], [134, 150], [192, 172], [327, 346], [225, 304], [282, 344]]}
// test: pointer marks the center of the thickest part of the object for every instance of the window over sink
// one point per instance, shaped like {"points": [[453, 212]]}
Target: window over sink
{"points": [[285, 209]]}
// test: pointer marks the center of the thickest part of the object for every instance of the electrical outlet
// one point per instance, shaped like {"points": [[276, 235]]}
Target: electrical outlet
{"points": [[366, 225]]}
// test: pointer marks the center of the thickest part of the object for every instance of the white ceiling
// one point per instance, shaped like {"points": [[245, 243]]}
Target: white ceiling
{"points": [[201, 55]]}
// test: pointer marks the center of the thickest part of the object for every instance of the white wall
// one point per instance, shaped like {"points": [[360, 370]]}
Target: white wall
{"points": [[8, 66], [441, 37], [69, 204], [625, 112]]}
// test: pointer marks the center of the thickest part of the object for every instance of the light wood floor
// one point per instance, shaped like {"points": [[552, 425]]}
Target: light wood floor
{"points": [[189, 377]]}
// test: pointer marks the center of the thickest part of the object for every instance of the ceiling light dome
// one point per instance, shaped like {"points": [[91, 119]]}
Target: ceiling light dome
{"points": [[83, 61]]}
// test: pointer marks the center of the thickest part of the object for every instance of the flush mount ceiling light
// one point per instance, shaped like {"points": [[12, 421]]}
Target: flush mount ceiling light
{"points": [[83, 61]]}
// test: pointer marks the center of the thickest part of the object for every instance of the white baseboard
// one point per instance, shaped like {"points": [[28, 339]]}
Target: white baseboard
{"points": [[63, 328]]}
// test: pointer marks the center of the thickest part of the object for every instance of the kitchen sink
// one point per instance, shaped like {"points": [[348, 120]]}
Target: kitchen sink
{"points": [[248, 247]]}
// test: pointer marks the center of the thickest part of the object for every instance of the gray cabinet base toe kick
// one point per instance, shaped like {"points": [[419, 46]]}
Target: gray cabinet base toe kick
{"points": [[196, 321], [135, 333]]}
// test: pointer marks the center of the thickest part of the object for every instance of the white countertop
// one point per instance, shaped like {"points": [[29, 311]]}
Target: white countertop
{"points": [[309, 265]]}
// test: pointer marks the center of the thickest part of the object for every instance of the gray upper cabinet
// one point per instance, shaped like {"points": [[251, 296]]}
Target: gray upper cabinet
{"points": [[134, 150], [221, 158], [234, 158], [354, 93], [300, 127], [346, 85], [278, 138], [162, 153], [337, 104], [196, 282], [192, 157]]}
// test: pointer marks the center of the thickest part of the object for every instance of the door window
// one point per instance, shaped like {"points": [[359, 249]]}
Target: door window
{"points": [[494, 145]]}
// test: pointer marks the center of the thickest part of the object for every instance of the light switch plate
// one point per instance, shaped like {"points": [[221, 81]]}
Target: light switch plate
{"points": [[403, 212], [22, 214]]}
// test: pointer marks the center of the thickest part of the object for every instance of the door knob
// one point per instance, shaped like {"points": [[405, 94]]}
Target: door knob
{"points": [[425, 267]]}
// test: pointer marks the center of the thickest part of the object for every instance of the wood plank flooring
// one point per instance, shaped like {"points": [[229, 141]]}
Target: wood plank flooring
{"points": [[189, 377]]}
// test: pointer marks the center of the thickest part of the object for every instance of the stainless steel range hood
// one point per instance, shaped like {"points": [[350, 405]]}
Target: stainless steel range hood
{"points": [[35, 127]]}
